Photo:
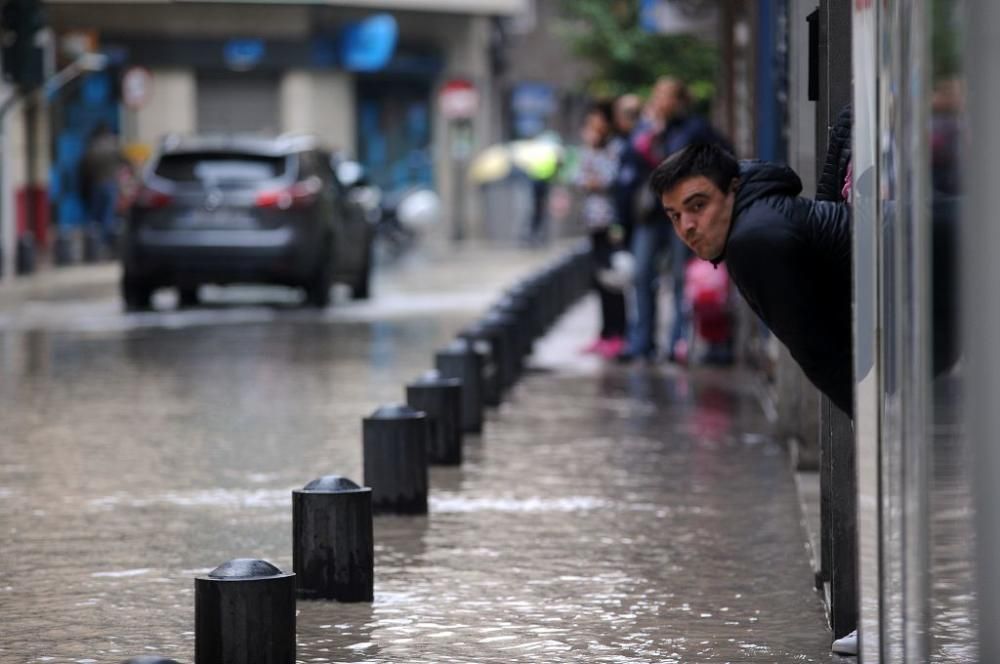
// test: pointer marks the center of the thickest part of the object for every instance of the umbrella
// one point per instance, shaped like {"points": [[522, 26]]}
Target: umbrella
{"points": [[492, 164], [538, 158]]}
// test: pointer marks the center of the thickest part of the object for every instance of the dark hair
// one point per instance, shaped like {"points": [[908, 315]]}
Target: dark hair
{"points": [[603, 108], [699, 159]]}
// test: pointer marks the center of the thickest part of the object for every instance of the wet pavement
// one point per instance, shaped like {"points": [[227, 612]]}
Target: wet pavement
{"points": [[954, 622], [607, 514]]}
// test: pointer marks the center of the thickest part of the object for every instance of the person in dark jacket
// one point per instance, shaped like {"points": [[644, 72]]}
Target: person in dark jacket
{"points": [[790, 257], [671, 126], [632, 170], [834, 178]]}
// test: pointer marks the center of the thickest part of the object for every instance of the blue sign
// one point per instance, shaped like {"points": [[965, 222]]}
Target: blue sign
{"points": [[534, 99], [370, 44], [243, 54], [325, 51], [532, 105], [666, 17]]}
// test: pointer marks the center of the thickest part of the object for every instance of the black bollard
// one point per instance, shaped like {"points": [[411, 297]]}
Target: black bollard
{"points": [[149, 659], [540, 287], [244, 613], [509, 367], [483, 351], [441, 399], [332, 543], [527, 301], [516, 308], [459, 360], [487, 341], [395, 451], [553, 295]]}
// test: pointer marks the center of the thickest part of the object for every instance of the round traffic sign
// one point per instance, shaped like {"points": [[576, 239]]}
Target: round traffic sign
{"points": [[137, 87]]}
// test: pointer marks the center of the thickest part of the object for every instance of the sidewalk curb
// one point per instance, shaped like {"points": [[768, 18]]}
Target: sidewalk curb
{"points": [[60, 284]]}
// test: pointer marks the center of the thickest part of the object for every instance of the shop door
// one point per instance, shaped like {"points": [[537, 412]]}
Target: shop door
{"points": [[238, 103], [394, 134]]}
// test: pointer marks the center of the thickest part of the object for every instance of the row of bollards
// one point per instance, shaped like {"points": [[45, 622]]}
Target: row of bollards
{"points": [[245, 608]]}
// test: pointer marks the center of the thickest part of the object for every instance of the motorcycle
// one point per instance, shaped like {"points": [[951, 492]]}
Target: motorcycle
{"points": [[398, 217]]}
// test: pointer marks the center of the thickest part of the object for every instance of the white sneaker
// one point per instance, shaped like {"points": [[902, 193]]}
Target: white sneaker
{"points": [[847, 645]]}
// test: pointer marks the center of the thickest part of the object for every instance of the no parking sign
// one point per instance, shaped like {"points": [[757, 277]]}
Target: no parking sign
{"points": [[458, 100], [137, 87]]}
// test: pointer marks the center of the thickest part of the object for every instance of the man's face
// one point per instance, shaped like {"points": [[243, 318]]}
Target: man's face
{"points": [[701, 214], [666, 99], [627, 110]]}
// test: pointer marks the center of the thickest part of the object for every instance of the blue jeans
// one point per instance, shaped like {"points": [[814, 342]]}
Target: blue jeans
{"points": [[681, 254], [649, 240], [103, 200]]}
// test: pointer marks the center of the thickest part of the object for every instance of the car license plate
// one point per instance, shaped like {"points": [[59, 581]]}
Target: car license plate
{"points": [[214, 219]]}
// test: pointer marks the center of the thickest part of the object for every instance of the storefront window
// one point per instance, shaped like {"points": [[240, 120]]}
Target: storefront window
{"points": [[952, 534], [915, 521]]}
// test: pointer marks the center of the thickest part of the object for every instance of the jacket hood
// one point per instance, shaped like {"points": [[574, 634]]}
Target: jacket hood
{"points": [[759, 179], [763, 178]]}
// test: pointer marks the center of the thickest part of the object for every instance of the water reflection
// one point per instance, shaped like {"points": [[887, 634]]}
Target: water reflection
{"points": [[614, 517]]}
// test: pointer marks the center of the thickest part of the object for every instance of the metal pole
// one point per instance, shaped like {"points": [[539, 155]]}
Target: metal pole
{"points": [[867, 368], [980, 278], [8, 211], [460, 150]]}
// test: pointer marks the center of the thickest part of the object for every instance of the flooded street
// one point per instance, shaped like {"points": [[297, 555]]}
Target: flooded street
{"points": [[606, 514]]}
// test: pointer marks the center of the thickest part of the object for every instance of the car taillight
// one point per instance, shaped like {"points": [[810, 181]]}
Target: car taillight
{"points": [[298, 195], [148, 197]]}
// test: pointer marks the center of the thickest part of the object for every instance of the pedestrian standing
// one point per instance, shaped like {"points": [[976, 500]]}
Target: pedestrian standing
{"points": [[669, 126], [596, 179], [100, 170], [632, 169]]}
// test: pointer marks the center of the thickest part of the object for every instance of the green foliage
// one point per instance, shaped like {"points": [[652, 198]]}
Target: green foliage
{"points": [[626, 58], [946, 37]]}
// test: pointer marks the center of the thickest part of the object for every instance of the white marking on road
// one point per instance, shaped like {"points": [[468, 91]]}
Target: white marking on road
{"points": [[123, 573]]}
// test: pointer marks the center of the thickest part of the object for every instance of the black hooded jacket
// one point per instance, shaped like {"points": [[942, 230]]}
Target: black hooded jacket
{"points": [[790, 258]]}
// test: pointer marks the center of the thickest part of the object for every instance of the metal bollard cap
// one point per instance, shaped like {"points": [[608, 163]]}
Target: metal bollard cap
{"points": [[397, 411], [497, 317], [245, 568], [149, 659], [333, 484], [458, 345], [473, 331], [482, 347], [434, 378]]}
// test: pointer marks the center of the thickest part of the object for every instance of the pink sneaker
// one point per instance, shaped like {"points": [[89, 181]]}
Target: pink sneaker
{"points": [[593, 347], [679, 354], [611, 347]]}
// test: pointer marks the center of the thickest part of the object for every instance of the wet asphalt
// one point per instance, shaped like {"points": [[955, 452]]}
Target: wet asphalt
{"points": [[606, 514]]}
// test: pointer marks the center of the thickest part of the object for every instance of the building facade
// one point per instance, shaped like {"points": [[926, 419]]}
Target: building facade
{"points": [[271, 68]]}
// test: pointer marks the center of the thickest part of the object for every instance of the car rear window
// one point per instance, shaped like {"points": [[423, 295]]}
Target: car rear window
{"points": [[219, 167]]}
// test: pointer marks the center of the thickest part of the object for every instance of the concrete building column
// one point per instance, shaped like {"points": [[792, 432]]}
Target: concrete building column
{"points": [[320, 103], [171, 109], [465, 58], [13, 177]]}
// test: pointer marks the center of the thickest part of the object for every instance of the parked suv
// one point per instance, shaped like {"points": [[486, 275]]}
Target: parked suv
{"points": [[224, 210]]}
